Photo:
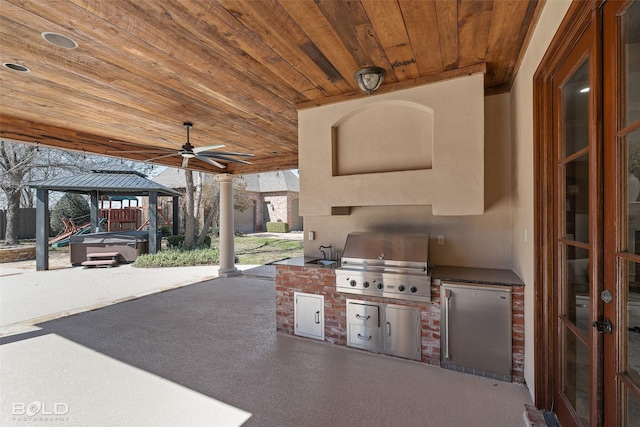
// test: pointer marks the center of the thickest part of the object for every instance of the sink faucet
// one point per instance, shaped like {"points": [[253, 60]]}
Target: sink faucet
{"points": [[324, 254]]}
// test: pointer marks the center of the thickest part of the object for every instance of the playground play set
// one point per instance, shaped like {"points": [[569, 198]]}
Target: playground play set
{"points": [[102, 249]]}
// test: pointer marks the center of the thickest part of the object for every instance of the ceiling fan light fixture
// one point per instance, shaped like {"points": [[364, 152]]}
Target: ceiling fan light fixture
{"points": [[369, 79]]}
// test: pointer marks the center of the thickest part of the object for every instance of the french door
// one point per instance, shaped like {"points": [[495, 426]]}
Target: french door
{"points": [[621, 134], [578, 232], [587, 197]]}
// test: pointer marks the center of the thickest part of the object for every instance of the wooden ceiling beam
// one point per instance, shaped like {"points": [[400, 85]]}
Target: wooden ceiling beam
{"points": [[277, 162], [24, 131]]}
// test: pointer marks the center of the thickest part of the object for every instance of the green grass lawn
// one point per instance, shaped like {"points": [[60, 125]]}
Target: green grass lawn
{"points": [[263, 250], [249, 250]]}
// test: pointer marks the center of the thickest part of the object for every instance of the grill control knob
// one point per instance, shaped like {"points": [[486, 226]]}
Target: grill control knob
{"points": [[413, 289], [353, 283], [380, 285], [365, 284], [401, 288]]}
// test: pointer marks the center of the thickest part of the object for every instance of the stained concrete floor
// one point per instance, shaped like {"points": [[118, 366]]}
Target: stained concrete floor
{"points": [[208, 354]]}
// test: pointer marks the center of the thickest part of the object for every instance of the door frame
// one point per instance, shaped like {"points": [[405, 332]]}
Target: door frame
{"points": [[577, 19]]}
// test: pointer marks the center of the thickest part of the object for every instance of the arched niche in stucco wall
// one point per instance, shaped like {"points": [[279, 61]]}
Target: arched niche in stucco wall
{"points": [[383, 137]]}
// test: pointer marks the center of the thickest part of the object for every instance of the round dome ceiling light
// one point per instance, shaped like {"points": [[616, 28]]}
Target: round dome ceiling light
{"points": [[15, 67], [59, 40]]}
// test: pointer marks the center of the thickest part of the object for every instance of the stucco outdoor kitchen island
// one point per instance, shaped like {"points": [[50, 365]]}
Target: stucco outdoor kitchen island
{"points": [[304, 277]]}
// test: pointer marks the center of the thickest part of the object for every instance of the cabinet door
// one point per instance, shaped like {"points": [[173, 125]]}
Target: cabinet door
{"points": [[309, 315], [476, 330], [402, 332]]}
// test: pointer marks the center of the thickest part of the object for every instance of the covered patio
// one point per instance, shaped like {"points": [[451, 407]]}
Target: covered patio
{"points": [[221, 363]]}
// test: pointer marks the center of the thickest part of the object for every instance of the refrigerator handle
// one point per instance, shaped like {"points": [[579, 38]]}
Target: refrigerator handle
{"points": [[447, 298]]}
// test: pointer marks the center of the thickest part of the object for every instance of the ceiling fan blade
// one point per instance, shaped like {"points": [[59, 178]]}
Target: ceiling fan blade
{"points": [[185, 162], [160, 157], [211, 162], [207, 148], [230, 159], [226, 153]]}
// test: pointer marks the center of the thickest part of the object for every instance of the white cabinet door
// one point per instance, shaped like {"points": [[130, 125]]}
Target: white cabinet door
{"points": [[309, 315]]}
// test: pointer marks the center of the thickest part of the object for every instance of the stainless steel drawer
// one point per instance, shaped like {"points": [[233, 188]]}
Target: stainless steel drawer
{"points": [[363, 337], [363, 314]]}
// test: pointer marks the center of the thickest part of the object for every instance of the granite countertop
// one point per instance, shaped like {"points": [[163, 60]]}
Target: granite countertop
{"points": [[305, 261], [482, 276]]}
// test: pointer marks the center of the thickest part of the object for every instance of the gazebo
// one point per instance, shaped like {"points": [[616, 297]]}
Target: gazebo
{"points": [[98, 183]]}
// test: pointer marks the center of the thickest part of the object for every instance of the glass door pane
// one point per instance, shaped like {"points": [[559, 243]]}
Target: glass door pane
{"points": [[574, 250], [622, 198], [631, 52], [577, 363], [633, 323]]}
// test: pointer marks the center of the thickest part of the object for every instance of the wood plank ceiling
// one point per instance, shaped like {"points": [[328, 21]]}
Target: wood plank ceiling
{"points": [[237, 69]]}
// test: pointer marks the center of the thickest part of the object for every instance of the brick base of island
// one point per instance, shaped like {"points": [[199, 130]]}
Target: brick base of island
{"points": [[322, 281]]}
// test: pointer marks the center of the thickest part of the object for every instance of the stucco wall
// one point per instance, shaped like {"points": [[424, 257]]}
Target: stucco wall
{"points": [[470, 240], [446, 117], [522, 166]]}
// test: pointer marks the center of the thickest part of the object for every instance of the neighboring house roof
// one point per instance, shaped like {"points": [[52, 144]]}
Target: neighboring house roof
{"points": [[271, 182], [267, 182], [174, 178], [114, 181]]}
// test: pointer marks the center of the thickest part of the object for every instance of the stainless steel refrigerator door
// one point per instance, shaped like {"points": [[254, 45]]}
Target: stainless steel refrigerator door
{"points": [[476, 329]]}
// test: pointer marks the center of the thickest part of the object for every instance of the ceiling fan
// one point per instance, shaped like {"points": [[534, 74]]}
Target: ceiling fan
{"points": [[207, 153]]}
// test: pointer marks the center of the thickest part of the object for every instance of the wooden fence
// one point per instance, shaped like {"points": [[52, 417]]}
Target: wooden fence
{"points": [[26, 224]]}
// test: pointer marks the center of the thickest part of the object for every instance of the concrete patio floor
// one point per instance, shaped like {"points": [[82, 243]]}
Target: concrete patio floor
{"points": [[207, 354]]}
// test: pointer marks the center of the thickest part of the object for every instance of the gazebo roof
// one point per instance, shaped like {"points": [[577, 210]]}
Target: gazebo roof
{"points": [[113, 181]]}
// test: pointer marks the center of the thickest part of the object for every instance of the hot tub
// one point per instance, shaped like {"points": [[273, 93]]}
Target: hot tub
{"points": [[129, 244]]}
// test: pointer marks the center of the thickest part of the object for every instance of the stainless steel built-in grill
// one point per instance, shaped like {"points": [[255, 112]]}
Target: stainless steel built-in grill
{"points": [[386, 265]]}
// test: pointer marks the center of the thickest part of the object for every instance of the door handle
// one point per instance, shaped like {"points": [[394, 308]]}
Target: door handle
{"points": [[447, 299], [388, 329], [317, 317], [603, 327]]}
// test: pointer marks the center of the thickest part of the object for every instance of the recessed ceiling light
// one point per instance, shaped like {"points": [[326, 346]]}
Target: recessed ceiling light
{"points": [[15, 67], [59, 40]]}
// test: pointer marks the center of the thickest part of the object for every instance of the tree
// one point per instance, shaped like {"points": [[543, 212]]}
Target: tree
{"points": [[70, 206], [241, 202], [24, 163], [189, 214], [203, 198], [16, 162]]}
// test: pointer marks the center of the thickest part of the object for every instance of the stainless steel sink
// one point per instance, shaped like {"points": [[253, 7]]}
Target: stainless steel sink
{"points": [[323, 262]]}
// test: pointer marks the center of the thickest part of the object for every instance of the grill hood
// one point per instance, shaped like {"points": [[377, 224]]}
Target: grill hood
{"points": [[367, 248]]}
